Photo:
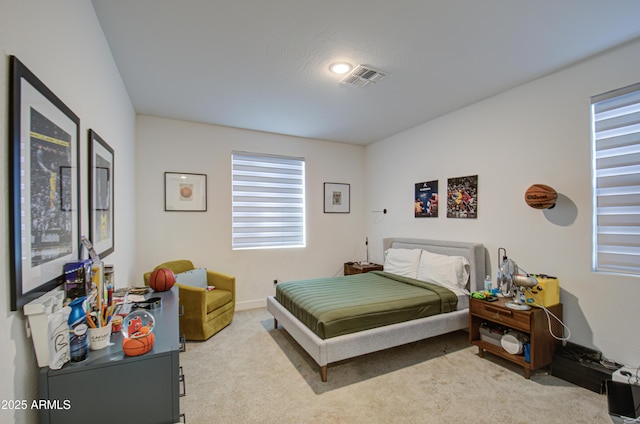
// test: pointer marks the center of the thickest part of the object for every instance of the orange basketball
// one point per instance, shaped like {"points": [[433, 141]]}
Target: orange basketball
{"points": [[540, 196], [186, 192], [162, 279], [138, 346]]}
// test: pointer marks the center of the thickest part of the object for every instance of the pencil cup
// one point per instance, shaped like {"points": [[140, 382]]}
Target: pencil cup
{"points": [[99, 337]]}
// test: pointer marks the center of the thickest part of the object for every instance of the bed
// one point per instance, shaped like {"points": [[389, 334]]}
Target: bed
{"points": [[325, 349]]}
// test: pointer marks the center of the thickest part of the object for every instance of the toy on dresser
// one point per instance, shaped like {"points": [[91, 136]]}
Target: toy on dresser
{"points": [[138, 333]]}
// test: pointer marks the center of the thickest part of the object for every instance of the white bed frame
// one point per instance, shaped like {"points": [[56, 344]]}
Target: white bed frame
{"points": [[326, 351]]}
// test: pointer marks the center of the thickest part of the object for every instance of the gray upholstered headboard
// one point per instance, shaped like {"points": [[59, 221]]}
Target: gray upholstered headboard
{"points": [[475, 252]]}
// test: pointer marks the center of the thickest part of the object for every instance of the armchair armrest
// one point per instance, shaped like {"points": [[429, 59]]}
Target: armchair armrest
{"points": [[222, 281]]}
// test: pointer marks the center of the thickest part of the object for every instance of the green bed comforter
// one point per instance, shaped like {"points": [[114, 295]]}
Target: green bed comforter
{"points": [[341, 305]]}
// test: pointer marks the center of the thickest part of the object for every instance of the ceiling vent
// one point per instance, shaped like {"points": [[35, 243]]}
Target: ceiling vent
{"points": [[363, 75]]}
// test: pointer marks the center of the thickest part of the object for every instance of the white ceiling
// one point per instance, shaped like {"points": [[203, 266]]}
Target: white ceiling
{"points": [[263, 65]]}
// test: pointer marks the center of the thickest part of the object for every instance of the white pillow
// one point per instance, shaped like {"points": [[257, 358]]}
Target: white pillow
{"points": [[402, 262], [194, 278], [445, 270]]}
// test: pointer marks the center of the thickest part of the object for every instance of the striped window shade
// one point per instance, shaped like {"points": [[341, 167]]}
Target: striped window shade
{"points": [[268, 202], [615, 118]]}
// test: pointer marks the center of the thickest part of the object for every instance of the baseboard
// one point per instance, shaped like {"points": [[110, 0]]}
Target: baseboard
{"points": [[251, 304]]}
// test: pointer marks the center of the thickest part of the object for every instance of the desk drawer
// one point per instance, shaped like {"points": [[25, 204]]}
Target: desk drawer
{"points": [[519, 320]]}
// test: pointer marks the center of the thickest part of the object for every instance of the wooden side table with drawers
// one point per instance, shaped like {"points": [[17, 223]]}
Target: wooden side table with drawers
{"points": [[351, 268], [534, 323]]}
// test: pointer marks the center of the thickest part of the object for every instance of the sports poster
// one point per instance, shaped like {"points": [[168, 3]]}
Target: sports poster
{"points": [[462, 197], [50, 200], [425, 204]]}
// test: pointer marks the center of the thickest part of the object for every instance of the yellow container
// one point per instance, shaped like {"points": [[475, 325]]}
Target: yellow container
{"points": [[545, 293]]}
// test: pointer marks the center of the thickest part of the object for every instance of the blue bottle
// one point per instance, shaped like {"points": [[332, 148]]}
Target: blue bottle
{"points": [[78, 331]]}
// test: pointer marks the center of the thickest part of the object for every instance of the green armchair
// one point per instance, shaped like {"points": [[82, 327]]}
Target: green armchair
{"points": [[205, 312]]}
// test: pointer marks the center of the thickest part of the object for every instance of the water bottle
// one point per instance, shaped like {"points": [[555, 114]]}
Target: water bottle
{"points": [[78, 331], [487, 283]]}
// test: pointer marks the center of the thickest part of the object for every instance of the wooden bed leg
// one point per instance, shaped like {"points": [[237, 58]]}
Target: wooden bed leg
{"points": [[323, 373], [275, 323]]}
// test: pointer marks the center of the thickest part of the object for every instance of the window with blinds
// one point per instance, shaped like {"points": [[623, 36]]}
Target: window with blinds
{"points": [[268, 203], [615, 119]]}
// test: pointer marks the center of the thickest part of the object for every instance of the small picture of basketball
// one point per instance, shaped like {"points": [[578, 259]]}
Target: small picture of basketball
{"points": [[540, 196], [162, 279], [186, 191]]}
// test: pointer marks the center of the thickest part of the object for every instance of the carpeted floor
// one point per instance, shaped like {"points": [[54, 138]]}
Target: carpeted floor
{"points": [[251, 373]]}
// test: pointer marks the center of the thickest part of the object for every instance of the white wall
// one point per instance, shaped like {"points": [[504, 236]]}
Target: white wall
{"points": [[205, 237], [62, 44], [536, 133]]}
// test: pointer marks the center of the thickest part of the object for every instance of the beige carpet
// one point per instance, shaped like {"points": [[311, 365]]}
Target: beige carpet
{"points": [[251, 373]]}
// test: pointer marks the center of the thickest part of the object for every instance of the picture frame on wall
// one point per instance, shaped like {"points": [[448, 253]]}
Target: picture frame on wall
{"points": [[425, 203], [337, 198], [44, 181], [101, 195], [185, 192], [462, 197]]}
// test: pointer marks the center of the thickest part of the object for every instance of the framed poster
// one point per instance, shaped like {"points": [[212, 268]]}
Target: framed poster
{"points": [[425, 204], [337, 198], [462, 197], [184, 192], [45, 180], [101, 186]]}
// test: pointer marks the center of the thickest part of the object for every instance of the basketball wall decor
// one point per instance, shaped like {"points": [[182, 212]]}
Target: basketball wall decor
{"points": [[540, 196], [162, 279]]}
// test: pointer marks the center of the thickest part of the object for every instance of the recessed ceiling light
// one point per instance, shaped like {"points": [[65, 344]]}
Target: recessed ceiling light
{"points": [[340, 68]]}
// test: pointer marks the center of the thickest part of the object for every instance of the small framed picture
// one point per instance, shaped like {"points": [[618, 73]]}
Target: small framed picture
{"points": [[185, 192], [337, 198], [462, 197], [425, 204]]}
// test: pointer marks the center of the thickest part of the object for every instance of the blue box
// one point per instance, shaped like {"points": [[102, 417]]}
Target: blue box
{"points": [[77, 279]]}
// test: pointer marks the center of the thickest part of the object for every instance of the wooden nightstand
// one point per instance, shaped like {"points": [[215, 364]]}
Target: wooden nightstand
{"points": [[356, 268], [532, 322]]}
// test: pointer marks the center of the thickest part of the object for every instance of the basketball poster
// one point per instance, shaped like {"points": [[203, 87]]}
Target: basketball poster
{"points": [[425, 204], [462, 197], [101, 194], [50, 189]]}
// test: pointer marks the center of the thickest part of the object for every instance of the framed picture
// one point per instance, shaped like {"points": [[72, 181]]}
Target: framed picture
{"points": [[462, 197], [44, 179], [184, 192], [101, 186], [425, 203], [337, 198]]}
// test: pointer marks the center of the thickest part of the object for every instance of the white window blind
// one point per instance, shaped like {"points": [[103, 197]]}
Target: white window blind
{"points": [[268, 203], [615, 118]]}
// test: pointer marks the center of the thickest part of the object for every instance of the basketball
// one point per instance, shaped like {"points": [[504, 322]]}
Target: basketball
{"points": [[186, 192], [162, 279], [540, 196], [138, 346]]}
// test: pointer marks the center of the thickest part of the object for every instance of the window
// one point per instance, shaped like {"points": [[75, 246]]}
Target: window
{"points": [[267, 201], [615, 120]]}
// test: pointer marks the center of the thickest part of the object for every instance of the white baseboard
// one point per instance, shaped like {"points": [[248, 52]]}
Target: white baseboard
{"points": [[251, 304]]}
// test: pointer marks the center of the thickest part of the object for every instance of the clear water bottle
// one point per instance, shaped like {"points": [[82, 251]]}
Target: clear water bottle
{"points": [[487, 283], [78, 331]]}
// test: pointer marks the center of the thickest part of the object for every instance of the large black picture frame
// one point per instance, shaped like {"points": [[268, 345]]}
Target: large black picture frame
{"points": [[101, 195], [44, 176]]}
